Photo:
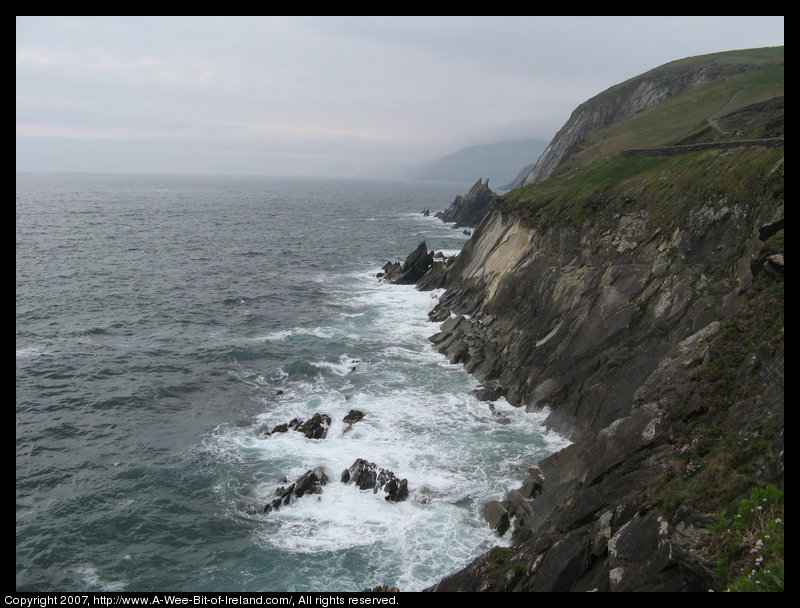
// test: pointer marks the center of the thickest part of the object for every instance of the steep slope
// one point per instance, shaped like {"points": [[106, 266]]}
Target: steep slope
{"points": [[632, 96], [638, 298], [654, 336]]}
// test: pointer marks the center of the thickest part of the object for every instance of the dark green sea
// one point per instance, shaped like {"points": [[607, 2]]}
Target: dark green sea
{"points": [[164, 322]]}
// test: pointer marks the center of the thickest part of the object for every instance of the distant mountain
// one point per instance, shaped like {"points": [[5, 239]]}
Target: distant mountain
{"points": [[499, 162]]}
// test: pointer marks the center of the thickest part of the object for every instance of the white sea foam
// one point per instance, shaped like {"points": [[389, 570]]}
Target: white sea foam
{"points": [[420, 422], [88, 574], [29, 352], [344, 366], [283, 334]]}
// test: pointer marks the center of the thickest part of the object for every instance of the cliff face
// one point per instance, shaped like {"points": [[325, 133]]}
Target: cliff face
{"points": [[632, 96], [640, 337]]}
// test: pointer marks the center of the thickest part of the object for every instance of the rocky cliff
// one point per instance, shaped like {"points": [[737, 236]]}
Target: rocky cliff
{"points": [[640, 340], [632, 96], [640, 302]]}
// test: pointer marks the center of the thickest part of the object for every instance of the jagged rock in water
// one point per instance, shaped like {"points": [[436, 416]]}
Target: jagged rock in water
{"points": [[315, 427], [469, 210], [416, 265], [369, 476], [310, 482], [439, 313], [353, 416], [487, 393], [500, 514]]}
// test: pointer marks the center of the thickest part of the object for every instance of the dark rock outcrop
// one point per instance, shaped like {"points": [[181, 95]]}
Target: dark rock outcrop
{"points": [[315, 427], [412, 270], [369, 476], [353, 416], [469, 210], [517, 505], [310, 482]]}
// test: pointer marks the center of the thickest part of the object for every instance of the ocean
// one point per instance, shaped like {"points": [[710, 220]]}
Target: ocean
{"points": [[164, 323]]}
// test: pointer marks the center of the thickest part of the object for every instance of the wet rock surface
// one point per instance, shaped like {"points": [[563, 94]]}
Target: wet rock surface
{"points": [[310, 482], [369, 476], [315, 427]]}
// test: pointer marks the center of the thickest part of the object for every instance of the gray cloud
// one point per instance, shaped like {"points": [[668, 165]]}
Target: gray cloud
{"points": [[303, 94]]}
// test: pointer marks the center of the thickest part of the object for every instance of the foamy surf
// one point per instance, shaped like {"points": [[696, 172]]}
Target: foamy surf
{"points": [[419, 421]]}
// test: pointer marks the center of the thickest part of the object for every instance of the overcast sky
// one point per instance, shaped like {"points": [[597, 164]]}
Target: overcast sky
{"points": [[324, 95]]}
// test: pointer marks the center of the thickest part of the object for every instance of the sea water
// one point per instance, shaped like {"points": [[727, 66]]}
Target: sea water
{"points": [[164, 324]]}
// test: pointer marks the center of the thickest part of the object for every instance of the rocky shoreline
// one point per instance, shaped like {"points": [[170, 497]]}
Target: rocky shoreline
{"points": [[611, 329]]}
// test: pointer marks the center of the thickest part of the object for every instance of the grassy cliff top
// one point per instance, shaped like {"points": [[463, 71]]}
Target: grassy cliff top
{"points": [[733, 107], [701, 108], [667, 187]]}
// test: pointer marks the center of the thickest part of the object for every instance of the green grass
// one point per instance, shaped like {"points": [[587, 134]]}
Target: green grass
{"points": [[680, 116], [750, 543], [667, 187]]}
